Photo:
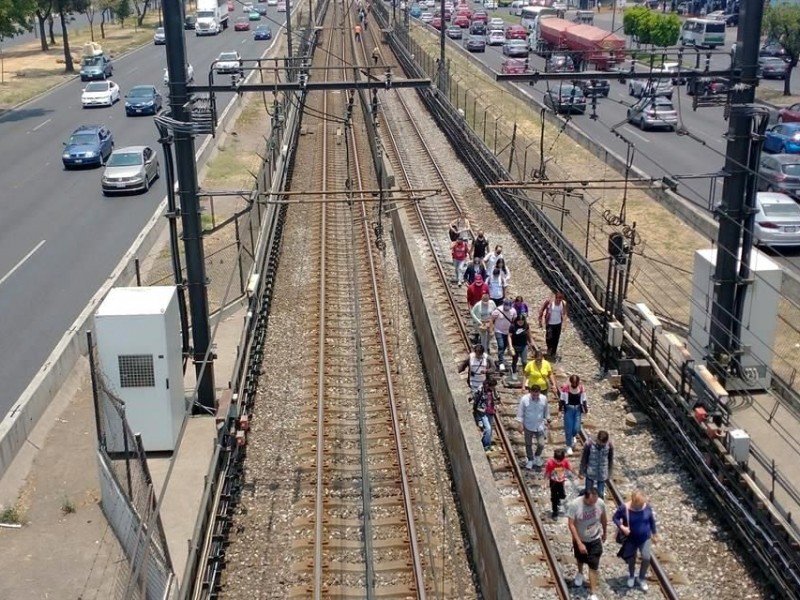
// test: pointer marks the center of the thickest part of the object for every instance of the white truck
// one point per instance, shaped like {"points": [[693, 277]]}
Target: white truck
{"points": [[212, 17]]}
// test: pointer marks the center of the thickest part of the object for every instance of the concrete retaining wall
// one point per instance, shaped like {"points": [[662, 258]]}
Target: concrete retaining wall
{"points": [[494, 549]]}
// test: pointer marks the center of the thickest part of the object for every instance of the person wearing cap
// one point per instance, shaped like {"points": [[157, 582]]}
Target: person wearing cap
{"points": [[458, 251], [476, 290], [502, 320], [533, 413], [540, 373], [482, 318], [475, 269]]}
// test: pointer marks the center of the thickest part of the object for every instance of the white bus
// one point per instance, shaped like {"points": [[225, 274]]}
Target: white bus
{"points": [[703, 33], [530, 15]]}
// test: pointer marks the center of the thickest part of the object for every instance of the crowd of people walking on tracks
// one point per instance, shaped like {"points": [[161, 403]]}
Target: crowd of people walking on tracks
{"points": [[502, 333]]}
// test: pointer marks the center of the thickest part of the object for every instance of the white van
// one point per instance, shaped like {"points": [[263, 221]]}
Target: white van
{"points": [[530, 15], [703, 33]]}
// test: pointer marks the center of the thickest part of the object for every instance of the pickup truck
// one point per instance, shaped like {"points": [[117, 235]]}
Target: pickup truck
{"points": [[96, 67]]}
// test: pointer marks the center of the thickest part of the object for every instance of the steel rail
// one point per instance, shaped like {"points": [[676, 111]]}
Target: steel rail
{"points": [[320, 454], [408, 507], [552, 562]]}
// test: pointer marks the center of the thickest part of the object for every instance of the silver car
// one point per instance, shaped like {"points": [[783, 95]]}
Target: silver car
{"points": [[777, 222], [130, 169], [651, 112]]}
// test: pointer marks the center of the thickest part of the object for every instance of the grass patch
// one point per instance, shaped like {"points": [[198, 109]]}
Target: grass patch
{"points": [[27, 71], [775, 96], [11, 516], [67, 506]]}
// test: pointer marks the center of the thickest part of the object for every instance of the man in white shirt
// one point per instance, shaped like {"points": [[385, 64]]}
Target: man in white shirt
{"points": [[502, 319], [533, 413], [482, 318]]}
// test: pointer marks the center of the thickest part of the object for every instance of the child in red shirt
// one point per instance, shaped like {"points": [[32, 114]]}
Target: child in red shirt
{"points": [[555, 471]]}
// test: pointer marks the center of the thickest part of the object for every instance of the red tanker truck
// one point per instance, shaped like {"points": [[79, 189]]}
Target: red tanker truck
{"points": [[594, 45]]}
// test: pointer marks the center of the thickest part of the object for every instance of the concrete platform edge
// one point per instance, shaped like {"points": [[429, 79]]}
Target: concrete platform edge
{"points": [[498, 564]]}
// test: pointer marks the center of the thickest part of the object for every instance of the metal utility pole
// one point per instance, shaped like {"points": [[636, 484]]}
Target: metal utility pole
{"points": [[289, 38], [736, 202], [441, 46], [189, 203]]}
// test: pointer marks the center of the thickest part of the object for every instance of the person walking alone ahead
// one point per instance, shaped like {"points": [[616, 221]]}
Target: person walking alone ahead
{"points": [[533, 413], [376, 54], [555, 471], [458, 251], [572, 403], [588, 525], [553, 315], [358, 32], [637, 523], [597, 462]]}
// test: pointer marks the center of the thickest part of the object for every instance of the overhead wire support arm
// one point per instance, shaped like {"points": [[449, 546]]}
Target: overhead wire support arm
{"points": [[535, 76], [312, 86]]}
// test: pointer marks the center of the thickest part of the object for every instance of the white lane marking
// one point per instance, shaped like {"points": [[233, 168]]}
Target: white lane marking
{"points": [[40, 125], [641, 137], [21, 262], [133, 69]]}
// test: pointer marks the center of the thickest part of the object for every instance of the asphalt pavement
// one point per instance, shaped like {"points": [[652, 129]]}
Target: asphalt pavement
{"points": [[656, 152], [59, 236]]}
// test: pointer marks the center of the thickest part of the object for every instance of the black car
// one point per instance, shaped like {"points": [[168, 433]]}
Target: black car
{"points": [[260, 9], [594, 87], [189, 22], [475, 43], [262, 32], [143, 100], [565, 98], [780, 173], [478, 28], [707, 86]]}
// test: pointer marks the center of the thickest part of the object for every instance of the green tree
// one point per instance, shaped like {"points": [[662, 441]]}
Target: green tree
{"points": [[631, 20], [782, 22], [123, 11], [141, 7], [43, 11], [665, 30], [15, 17]]}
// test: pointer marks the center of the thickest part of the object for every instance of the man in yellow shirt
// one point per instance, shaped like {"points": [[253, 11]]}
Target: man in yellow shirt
{"points": [[539, 373]]}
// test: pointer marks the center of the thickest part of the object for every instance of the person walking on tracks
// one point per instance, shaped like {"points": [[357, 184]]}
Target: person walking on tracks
{"points": [[358, 33], [520, 334], [376, 54], [572, 403], [636, 523], [502, 319], [597, 462], [478, 365], [482, 319], [458, 251], [553, 316], [588, 524], [533, 413], [540, 373], [480, 245], [555, 472], [484, 408], [475, 269]]}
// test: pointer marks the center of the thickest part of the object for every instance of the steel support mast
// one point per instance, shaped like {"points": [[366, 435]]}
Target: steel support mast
{"points": [[189, 203], [736, 205]]}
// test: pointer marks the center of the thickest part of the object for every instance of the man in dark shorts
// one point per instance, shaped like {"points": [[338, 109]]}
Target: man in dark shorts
{"points": [[587, 525]]}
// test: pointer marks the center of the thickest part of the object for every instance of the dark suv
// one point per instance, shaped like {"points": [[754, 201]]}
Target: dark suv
{"points": [[559, 63], [594, 87]]}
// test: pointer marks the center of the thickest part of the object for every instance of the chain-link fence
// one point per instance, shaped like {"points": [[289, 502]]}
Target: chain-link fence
{"points": [[128, 500]]}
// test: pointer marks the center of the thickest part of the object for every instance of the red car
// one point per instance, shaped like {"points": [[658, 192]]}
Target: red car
{"points": [[467, 12], [516, 32], [462, 21], [436, 23], [242, 24], [790, 114], [481, 16], [514, 66]]}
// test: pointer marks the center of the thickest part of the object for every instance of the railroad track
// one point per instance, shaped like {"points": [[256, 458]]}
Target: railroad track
{"points": [[358, 538], [525, 498]]}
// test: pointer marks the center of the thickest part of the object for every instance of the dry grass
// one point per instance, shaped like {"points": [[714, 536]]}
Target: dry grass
{"points": [[27, 71], [775, 97]]}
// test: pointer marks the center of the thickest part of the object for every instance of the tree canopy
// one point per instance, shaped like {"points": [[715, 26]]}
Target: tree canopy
{"points": [[782, 23], [15, 16], [649, 27]]}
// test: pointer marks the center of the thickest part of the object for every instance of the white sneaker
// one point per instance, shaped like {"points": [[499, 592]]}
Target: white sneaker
{"points": [[529, 465], [631, 582], [569, 451], [537, 461], [578, 581], [643, 585]]}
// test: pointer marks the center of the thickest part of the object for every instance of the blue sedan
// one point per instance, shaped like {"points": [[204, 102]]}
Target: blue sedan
{"points": [[262, 32], [88, 146], [783, 138]]}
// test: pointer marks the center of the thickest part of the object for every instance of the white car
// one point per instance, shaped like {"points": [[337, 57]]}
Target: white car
{"points": [[247, 7], [426, 17], [430, 3], [272, 2], [777, 222], [189, 74], [496, 38], [516, 7], [640, 88], [100, 93], [228, 62], [490, 5], [496, 23]]}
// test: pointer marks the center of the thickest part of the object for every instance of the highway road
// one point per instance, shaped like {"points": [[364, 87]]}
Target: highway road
{"points": [[657, 153], [59, 237]]}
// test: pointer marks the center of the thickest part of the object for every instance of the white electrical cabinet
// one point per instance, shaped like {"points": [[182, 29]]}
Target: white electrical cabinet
{"points": [[138, 339], [759, 318]]}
